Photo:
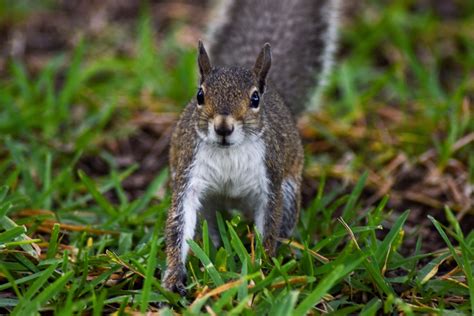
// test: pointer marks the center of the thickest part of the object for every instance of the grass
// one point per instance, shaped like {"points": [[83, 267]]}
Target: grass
{"points": [[67, 248]]}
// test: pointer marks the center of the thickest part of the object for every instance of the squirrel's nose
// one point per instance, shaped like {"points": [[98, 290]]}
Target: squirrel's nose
{"points": [[223, 125], [224, 129]]}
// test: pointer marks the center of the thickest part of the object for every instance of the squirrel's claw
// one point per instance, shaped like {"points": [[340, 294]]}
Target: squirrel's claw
{"points": [[180, 289], [175, 281]]}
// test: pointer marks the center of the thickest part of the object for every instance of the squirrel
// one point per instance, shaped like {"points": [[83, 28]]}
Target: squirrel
{"points": [[236, 144]]}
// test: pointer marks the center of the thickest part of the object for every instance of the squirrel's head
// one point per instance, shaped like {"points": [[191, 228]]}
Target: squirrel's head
{"points": [[230, 101]]}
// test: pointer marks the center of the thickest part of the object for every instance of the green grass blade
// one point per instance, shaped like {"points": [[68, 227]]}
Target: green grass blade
{"points": [[321, 289], [3, 195], [7, 224], [72, 81], [350, 210], [208, 265], [270, 278], [47, 181], [99, 198], [325, 285], [431, 268], [98, 303], [286, 306], [371, 308], [463, 262], [384, 248], [237, 244], [11, 281], [440, 230], [225, 240], [151, 190], [33, 289], [53, 289], [53, 242], [11, 234], [150, 271], [20, 281]]}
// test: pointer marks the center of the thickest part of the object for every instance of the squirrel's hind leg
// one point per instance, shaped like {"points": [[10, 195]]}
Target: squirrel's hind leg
{"points": [[269, 218], [291, 206]]}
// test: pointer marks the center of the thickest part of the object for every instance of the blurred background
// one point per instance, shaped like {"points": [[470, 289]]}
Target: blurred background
{"points": [[89, 93], [97, 85]]}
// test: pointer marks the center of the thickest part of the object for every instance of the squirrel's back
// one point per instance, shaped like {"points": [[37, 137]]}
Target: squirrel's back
{"points": [[302, 34]]}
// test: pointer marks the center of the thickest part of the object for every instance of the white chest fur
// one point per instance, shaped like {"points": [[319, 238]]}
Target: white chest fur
{"points": [[233, 172], [223, 178]]}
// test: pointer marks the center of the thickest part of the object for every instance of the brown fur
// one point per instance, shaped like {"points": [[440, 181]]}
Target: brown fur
{"points": [[227, 92]]}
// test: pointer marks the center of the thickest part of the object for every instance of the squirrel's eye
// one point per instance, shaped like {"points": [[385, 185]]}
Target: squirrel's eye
{"points": [[200, 97], [254, 100]]}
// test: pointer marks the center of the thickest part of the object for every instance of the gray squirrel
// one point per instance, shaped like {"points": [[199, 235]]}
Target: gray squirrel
{"points": [[236, 145]]}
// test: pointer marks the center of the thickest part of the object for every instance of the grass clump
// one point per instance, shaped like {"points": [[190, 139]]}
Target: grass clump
{"points": [[74, 240]]}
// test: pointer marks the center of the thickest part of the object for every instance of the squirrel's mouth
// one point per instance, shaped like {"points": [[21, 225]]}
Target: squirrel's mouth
{"points": [[224, 142]]}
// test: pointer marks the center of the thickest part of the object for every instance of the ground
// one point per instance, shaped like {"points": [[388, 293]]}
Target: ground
{"points": [[89, 93]]}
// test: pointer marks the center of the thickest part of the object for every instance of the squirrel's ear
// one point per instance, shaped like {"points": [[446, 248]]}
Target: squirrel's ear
{"points": [[203, 61], [262, 66]]}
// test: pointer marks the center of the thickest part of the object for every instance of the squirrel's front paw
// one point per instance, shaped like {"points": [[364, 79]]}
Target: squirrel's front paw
{"points": [[175, 280]]}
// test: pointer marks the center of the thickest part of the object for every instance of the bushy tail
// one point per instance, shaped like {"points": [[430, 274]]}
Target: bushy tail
{"points": [[302, 34]]}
